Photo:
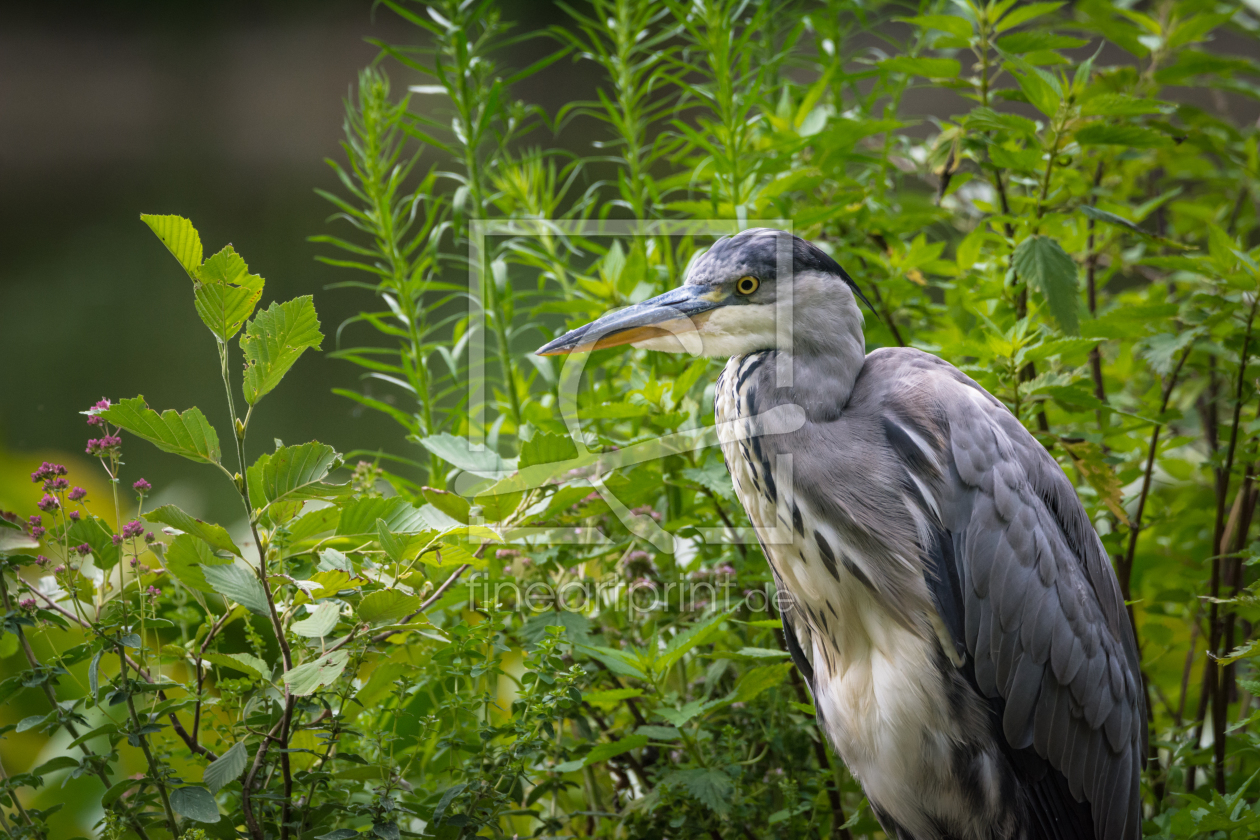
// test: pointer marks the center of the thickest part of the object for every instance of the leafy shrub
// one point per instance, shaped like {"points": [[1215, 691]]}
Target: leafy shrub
{"points": [[557, 633]]}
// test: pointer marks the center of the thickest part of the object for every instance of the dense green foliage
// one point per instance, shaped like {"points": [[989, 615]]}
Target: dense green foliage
{"points": [[556, 633]]}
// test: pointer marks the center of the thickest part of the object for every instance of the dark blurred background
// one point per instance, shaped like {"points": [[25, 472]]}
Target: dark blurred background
{"points": [[222, 112]]}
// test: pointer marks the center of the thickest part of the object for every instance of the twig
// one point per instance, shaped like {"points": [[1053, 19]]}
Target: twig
{"points": [[158, 781], [1135, 528]]}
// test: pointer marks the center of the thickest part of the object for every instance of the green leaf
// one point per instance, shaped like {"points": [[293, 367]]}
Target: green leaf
{"points": [[52, 765], [395, 547], [1040, 87], [452, 504], [360, 516], [238, 583], [1041, 262], [712, 787], [932, 68], [274, 340], [294, 473], [954, 25], [196, 803], [305, 679], [184, 558], [697, 634], [92, 530], [620, 662], [757, 680], [658, 733], [215, 535], [603, 752], [226, 768], [1024, 14], [188, 434], [320, 623], [546, 448], [386, 605], [179, 237], [456, 450], [226, 293], [244, 662], [1133, 136]]}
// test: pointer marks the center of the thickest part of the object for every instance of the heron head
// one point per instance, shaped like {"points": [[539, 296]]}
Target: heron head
{"points": [[731, 302]]}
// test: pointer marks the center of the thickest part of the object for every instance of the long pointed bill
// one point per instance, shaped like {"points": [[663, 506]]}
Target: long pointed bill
{"points": [[673, 314]]}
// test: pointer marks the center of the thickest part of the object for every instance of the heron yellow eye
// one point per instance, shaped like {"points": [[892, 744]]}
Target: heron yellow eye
{"points": [[747, 285]]}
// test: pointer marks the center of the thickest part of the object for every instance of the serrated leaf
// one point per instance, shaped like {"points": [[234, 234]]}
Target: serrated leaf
{"points": [[189, 434], [184, 558], [226, 768], [1042, 263], [238, 583], [274, 340], [1132, 136], [195, 803], [226, 293], [451, 504], [215, 535], [91, 529], [359, 517], [546, 448], [293, 473], [180, 238], [320, 623], [386, 605], [244, 662], [612, 696], [712, 787], [306, 679], [1092, 464]]}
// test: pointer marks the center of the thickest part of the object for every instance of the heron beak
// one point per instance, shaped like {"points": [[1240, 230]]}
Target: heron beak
{"points": [[682, 310]]}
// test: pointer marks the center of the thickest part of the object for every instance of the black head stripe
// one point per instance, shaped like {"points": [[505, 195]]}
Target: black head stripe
{"points": [[755, 252]]}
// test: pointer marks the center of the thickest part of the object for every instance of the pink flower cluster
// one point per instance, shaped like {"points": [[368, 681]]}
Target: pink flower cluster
{"points": [[103, 446], [46, 471], [132, 529], [94, 420]]}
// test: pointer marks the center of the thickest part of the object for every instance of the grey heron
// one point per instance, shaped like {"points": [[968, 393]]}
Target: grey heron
{"points": [[948, 601]]}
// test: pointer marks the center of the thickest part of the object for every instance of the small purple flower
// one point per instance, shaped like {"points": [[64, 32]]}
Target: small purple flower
{"points": [[56, 485], [725, 570], [48, 504], [93, 447], [153, 592], [83, 550], [132, 529], [117, 539], [135, 561], [77, 493], [149, 538], [636, 556], [142, 486], [36, 521], [506, 553], [41, 560], [27, 603], [58, 570], [47, 470], [37, 532], [74, 516]]}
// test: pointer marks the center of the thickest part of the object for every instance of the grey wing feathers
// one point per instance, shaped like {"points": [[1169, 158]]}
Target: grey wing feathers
{"points": [[1044, 621]]}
